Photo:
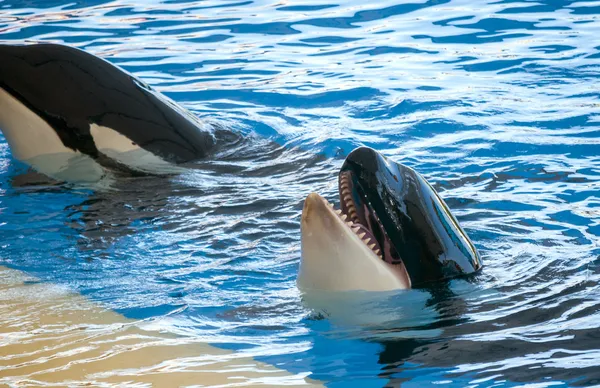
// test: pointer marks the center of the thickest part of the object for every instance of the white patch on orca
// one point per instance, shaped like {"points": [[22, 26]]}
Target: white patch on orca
{"points": [[33, 141], [122, 149]]}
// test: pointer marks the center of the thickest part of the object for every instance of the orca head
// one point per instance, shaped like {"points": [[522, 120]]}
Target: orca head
{"points": [[392, 231]]}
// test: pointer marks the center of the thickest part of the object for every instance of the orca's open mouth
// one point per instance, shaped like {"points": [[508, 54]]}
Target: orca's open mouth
{"points": [[362, 218], [358, 217], [340, 251], [354, 224]]}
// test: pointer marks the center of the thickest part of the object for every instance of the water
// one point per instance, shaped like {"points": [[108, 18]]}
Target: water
{"points": [[495, 103]]}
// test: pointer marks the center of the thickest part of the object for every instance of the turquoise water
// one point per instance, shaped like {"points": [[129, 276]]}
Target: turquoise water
{"points": [[496, 103]]}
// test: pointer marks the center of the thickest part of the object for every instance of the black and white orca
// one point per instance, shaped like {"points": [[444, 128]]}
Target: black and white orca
{"points": [[72, 115]]}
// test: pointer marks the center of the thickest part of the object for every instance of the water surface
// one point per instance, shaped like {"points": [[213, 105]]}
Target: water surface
{"points": [[496, 103]]}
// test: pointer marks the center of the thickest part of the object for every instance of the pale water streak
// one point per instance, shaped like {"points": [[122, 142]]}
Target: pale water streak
{"points": [[50, 337]]}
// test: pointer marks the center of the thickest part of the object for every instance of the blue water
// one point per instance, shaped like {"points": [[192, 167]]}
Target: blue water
{"points": [[496, 103]]}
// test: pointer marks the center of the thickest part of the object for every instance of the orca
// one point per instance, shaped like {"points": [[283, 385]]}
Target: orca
{"points": [[69, 113], [392, 231]]}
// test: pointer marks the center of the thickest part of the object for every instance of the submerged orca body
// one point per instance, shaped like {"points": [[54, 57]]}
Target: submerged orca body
{"points": [[393, 231], [61, 107]]}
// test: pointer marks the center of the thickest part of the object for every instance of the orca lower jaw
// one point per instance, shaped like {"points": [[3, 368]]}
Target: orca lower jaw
{"points": [[339, 254]]}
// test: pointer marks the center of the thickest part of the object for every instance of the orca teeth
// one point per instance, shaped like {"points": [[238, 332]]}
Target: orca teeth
{"points": [[346, 196], [355, 228], [348, 206]]}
